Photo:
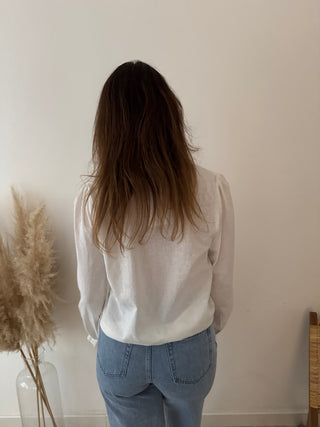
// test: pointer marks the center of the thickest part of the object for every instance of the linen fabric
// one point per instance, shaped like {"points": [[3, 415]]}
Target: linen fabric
{"points": [[163, 290]]}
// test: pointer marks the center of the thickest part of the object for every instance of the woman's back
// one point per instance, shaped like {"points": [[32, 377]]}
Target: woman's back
{"points": [[162, 290]]}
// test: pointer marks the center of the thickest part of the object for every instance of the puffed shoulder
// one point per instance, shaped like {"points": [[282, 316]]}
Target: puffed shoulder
{"points": [[223, 194], [222, 183], [81, 215], [212, 176], [81, 193]]}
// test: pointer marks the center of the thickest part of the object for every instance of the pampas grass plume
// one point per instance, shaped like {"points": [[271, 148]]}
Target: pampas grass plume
{"points": [[33, 262], [9, 302], [27, 279]]}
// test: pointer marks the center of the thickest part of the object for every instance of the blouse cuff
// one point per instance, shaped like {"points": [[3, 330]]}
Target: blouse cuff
{"points": [[92, 340]]}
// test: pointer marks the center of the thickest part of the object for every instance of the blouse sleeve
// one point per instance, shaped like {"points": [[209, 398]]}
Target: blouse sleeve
{"points": [[91, 273], [221, 254]]}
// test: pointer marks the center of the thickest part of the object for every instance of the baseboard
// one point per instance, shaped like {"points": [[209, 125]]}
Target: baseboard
{"points": [[254, 419], [236, 419]]}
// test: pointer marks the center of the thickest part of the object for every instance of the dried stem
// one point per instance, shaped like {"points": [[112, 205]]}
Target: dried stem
{"points": [[38, 393], [40, 385], [38, 409], [44, 420], [35, 359]]}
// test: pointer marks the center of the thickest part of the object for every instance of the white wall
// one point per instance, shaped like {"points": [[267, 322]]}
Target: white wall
{"points": [[247, 73]]}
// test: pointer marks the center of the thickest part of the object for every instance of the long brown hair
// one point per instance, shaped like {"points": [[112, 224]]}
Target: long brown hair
{"points": [[140, 148]]}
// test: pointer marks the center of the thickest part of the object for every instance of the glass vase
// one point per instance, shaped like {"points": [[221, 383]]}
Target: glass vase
{"points": [[39, 394]]}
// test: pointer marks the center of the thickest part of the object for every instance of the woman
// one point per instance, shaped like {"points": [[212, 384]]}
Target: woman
{"points": [[153, 308]]}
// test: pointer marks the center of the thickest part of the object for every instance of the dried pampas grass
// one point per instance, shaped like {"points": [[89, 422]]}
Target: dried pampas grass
{"points": [[27, 279], [10, 300], [33, 263]]}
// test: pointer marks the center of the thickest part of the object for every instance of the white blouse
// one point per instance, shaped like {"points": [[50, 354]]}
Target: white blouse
{"points": [[163, 290]]}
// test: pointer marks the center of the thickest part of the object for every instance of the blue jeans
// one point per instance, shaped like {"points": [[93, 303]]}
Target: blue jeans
{"points": [[159, 385]]}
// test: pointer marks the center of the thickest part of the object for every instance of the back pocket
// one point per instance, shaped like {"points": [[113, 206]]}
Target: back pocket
{"points": [[191, 358], [113, 356]]}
